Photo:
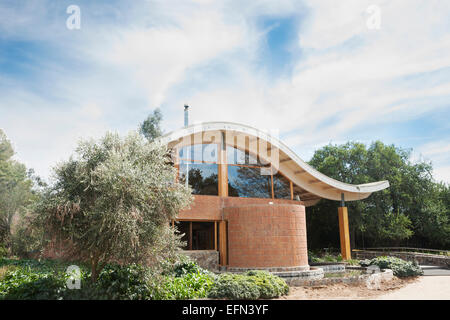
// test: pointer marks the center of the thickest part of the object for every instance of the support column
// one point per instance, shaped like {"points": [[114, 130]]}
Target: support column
{"points": [[222, 167], [223, 192], [344, 233], [223, 243]]}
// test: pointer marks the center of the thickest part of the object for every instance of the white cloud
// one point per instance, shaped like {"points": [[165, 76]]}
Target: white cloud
{"points": [[345, 75]]}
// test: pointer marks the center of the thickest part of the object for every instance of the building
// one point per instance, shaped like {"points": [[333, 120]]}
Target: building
{"points": [[250, 193]]}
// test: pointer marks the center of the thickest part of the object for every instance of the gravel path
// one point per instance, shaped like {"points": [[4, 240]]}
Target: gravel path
{"points": [[425, 288], [429, 287]]}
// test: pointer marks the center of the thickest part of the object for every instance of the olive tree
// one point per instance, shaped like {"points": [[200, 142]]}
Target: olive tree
{"points": [[114, 200], [15, 189]]}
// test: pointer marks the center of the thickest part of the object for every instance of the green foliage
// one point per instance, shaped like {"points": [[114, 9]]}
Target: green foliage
{"points": [[191, 285], [124, 282], [151, 127], [414, 208], [323, 257], [249, 286], [399, 267], [46, 279], [3, 251], [114, 201], [15, 189], [183, 279], [23, 284], [32, 279], [234, 286]]}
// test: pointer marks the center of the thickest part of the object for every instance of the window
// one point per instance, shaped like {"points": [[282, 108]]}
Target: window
{"points": [[240, 157], [198, 166], [197, 235], [202, 177], [199, 152], [281, 187], [248, 182], [248, 176]]}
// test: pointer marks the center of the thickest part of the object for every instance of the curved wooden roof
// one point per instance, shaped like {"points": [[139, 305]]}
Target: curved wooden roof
{"points": [[313, 184]]}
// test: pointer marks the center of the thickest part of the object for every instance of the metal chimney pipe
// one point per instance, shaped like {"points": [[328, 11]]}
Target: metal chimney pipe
{"points": [[186, 115]]}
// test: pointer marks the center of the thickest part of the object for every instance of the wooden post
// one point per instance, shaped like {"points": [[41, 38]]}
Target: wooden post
{"points": [[222, 167], [223, 192], [344, 233], [223, 243], [292, 189], [190, 235], [215, 235]]}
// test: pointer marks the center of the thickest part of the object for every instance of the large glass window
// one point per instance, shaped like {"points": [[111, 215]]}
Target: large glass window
{"points": [[202, 177], [199, 152], [240, 157], [198, 166], [248, 176], [281, 187], [248, 182]]}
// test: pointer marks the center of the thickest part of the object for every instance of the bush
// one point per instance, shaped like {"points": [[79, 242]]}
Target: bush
{"points": [[399, 267], [189, 286], [252, 285], [23, 283], [3, 252], [123, 282], [324, 257], [270, 286]]}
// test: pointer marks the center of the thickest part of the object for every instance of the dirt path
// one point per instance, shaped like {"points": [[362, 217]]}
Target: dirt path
{"points": [[421, 288], [428, 287], [345, 291]]}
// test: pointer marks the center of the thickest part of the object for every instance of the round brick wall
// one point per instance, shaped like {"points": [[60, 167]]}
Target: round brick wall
{"points": [[266, 236]]}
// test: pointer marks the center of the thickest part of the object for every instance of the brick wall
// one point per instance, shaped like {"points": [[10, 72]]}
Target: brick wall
{"points": [[261, 232], [203, 208], [264, 235]]}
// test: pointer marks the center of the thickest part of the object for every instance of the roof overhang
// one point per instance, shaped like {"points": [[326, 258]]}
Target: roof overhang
{"points": [[315, 184]]}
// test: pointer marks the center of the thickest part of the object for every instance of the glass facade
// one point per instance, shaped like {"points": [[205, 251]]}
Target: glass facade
{"points": [[281, 187], [240, 157], [202, 177], [248, 182], [198, 165], [199, 152], [248, 176]]}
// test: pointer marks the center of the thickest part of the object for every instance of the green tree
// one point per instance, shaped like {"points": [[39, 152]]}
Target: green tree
{"points": [[413, 209], [114, 200], [151, 127], [15, 189]]}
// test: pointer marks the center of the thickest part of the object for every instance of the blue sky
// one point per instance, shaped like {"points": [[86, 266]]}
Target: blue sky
{"points": [[311, 69]]}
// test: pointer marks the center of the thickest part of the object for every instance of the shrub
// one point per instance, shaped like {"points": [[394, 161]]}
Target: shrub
{"points": [[123, 282], [33, 279], [399, 267], [3, 251], [323, 257], [234, 286], [270, 286], [252, 285], [23, 283], [192, 285]]}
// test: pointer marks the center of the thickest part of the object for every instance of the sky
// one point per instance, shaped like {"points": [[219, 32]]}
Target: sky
{"points": [[319, 71]]}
